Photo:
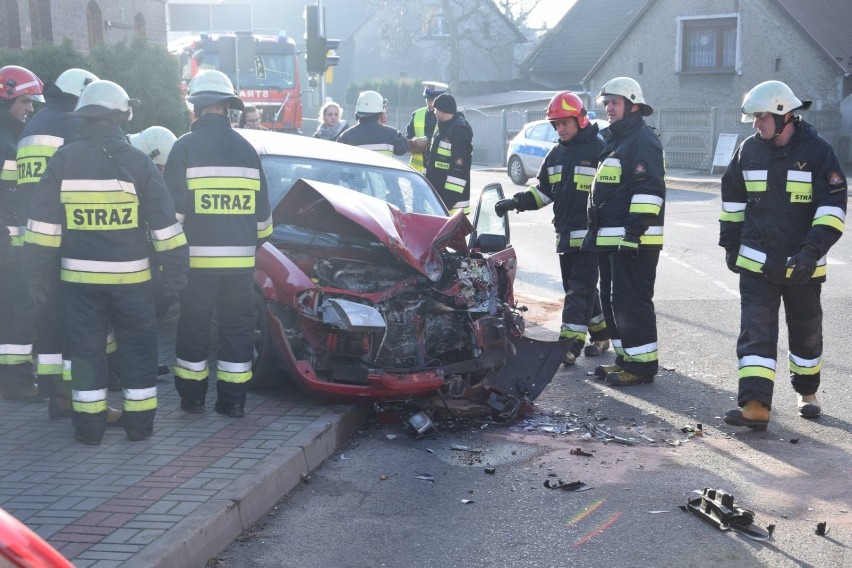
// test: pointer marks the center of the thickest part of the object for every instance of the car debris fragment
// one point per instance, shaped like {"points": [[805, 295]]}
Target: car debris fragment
{"points": [[421, 423], [467, 501], [490, 470], [425, 477], [575, 486], [821, 529], [605, 436], [580, 452], [718, 508]]}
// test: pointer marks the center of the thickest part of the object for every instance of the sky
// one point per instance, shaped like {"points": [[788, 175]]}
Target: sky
{"points": [[550, 11]]}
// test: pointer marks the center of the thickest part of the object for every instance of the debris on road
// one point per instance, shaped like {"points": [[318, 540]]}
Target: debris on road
{"points": [[580, 452], [460, 448], [467, 501], [567, 486], [421, 423], [718, 508], [605, 436], [658, 512], [794, 440], [821, 529], [425, 477], [697, 430], [490, 470]]}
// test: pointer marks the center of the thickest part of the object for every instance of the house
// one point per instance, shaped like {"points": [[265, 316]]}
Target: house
{"points": [[696, 59], [86, 23]]}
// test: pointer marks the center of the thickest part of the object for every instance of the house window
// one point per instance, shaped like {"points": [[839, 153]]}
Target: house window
{"points": [[438, 26], [139, 25], [709, 45], [12, 37], [40, 24], [95, 24]]}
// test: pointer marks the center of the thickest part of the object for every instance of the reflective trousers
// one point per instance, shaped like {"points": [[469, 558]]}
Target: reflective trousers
{"points": [[89, 311], [17, 322], [627, 298], [231, 296], [757, 346], [581, 312]]}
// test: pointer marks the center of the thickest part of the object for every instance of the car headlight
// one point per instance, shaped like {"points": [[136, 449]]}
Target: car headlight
{"points": [[351, 316]]}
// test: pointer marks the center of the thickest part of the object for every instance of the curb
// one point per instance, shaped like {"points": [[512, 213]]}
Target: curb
{"points": [[213, 526]]}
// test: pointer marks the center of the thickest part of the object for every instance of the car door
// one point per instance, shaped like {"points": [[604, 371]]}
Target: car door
{"points": [[490, 237]]}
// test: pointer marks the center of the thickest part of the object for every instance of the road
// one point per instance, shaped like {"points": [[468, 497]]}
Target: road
{"points": [[367, 506]]}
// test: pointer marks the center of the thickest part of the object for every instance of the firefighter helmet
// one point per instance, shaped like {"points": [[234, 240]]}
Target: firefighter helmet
{"points": [[16, 81], [73, 81], [771, 96], [156, 142], [566, 104], [104, 99], [211, 87], [627, 88], [370, 102]]}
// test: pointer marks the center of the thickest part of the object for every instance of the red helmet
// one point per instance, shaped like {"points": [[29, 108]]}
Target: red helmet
{"points": [[567, 104], [16, 81]]}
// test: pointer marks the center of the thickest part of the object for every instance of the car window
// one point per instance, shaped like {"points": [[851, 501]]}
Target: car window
{"points": [[540, 132], [407, 190], [552, 136]]}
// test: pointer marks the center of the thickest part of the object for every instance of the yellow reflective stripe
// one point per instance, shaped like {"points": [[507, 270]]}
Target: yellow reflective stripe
{"points": [[170, 244], [733, 217], [89, 402], [576, 238], [554, 174], [168, 238], [89, 407], [104, 217], [609, 171], [644, 203], [597, 323], [444, 148], [237, 378], [454, 184], [805, 366], [221, 262], [215, 202], [10, 171], [755, 180], [419, 124], [49, 364], [568, 334], [820, 271], [584, 176], [223, 184], [90, 278], [104, 272], [540, 199], [15, 354], [52, 241], [799, 187], [829, 216], [140, 400], [762, 372], [755, 365]]}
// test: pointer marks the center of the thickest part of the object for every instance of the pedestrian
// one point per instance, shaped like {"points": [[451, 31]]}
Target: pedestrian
{"points": [[250, 119], [221, 197], [565, 179], [783, 207], [626, 228], [90, 218], [421, 127], [450, 155], [331, 122], [369, 133], [19, 87]]}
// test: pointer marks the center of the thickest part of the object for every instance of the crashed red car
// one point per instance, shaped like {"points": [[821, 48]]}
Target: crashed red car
{"points": [[368, 290]]}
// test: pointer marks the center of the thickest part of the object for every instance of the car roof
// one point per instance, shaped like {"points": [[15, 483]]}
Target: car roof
{"points": [[284, 144]]}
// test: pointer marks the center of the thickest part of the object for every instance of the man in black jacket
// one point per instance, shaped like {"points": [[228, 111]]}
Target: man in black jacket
{"points": [[451, 155], [369, 133]]}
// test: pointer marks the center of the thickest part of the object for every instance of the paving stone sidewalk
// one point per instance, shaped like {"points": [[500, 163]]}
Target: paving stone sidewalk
{"points": [[174, 500]]}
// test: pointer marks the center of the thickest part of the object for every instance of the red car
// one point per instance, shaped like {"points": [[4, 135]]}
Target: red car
{"points": [[368, 290]]}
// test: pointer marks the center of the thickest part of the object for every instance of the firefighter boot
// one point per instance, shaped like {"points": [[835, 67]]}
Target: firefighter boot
{"points": [[28, 393], [114, 416], [58, 407], [624, 378], [192, 406], [569, 359], [753, 415], [596, 348], [808, 406], [231, 409], [601, 371]]}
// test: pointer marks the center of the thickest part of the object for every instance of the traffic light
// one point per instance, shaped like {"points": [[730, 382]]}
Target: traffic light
{"points": [[331, 57], [314, 42]]}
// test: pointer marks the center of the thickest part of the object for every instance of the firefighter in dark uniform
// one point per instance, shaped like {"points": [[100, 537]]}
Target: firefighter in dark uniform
{"points": [[783, 207], [565, 179], [45, 133], [91, 214], [451, 155], [369, 133], [626, 227], [422, 125], [221, 197], [19, 87]]}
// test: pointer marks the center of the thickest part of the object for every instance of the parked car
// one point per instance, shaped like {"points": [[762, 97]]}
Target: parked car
{"points": [[20, 547], [529, 147], [368, 290]]}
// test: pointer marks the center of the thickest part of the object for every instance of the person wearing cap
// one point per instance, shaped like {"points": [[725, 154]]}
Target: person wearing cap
{"points": [[783, 208], [450, 155], [19, 87], [91, 216], [369, 133], [626, 229], [421, 127], [222, 200]]}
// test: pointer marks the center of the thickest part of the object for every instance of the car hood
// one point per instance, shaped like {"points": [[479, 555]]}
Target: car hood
{"points": [[413, 238]]}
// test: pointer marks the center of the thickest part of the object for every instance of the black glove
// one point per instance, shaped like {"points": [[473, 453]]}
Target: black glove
{"points": [[505, 205], [173, 284], [629, 246], [731, 255], [803, 264]]}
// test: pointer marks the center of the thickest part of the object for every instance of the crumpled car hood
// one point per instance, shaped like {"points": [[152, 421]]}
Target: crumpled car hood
{"points": [[413, 238]]}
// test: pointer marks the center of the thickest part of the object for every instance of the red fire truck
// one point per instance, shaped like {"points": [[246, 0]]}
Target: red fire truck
{"points": [[263, 68]]}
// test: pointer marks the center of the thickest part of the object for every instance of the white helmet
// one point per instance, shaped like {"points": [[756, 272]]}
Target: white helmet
{"points": [[73, 81], [156, 142], [370, 102], [103, 98], [627, 88], [210, 87], [771, 96]]}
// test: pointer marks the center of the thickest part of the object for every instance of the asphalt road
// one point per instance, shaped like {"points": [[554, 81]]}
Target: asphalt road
{"points": [[367, 506]]}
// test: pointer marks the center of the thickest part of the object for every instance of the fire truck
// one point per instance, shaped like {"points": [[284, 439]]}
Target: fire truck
{"points": [[263, 68]]}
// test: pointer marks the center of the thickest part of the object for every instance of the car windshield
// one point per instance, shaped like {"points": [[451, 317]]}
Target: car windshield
{"points": [[409, 191]]}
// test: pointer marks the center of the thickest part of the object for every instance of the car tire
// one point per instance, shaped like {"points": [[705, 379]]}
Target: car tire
{"points": [[265, 374], [516, 172]]}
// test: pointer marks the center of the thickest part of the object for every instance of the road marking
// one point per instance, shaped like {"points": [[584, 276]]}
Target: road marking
{"points": [[701, 273], [690, 225]]}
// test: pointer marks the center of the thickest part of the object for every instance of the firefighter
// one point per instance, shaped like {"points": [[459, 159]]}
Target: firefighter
{"points": [[421, 127], [369, 133], [156, 142], [450, 155], [19, 87], [91, 214], [626, 228], [221, 197], [565, 179], [42, 136], [783, 207]]}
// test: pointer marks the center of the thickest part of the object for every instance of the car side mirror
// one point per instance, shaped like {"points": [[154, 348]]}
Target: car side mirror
{"points": [[491, 243]]}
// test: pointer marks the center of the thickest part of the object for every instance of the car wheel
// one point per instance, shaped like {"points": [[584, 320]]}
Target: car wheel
{"points": [[516, 171], [265, 374]]}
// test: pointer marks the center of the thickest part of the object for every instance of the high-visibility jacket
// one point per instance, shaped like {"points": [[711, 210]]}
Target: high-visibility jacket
{"points": [[220, 195], [371, 135], [449, 161], [777, 199], [629, 191], [10, 133], [565, 179], [94, 208], [422, 123]]}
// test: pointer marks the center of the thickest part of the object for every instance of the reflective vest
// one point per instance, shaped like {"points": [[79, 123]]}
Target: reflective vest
{"points": [[418, 122]]}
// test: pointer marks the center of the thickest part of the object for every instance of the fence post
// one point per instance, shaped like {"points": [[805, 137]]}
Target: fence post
{"points": [[714, 133], [504, 134]]}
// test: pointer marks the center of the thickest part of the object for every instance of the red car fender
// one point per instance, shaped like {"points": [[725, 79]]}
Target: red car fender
{"points": [[24, 548]]}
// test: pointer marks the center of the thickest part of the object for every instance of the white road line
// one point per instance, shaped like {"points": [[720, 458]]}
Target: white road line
{"points": [[701, 273], [690, 225]]}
